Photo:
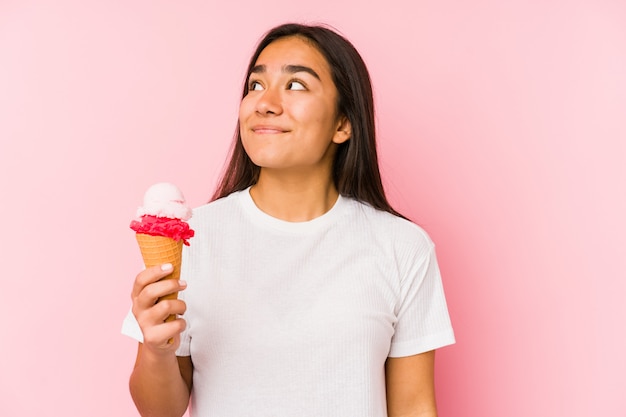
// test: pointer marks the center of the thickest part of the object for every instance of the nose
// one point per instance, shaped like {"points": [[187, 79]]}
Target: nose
{"points": [[269, 102]]}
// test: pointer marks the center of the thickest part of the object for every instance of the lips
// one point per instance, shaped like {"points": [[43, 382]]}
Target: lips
{"points": [[268, 129]]}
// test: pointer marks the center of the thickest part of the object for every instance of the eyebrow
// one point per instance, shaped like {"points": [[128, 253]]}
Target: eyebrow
{"points": [[291, 69]]}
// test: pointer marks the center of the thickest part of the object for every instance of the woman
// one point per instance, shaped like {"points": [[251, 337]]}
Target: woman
{"points": [[308, 295]]}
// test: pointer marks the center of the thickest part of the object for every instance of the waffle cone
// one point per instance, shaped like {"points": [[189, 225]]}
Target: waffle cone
{"points": [[158, 250]]}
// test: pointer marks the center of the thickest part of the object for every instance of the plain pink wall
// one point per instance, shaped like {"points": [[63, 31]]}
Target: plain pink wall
{"points": [[501, 132]]}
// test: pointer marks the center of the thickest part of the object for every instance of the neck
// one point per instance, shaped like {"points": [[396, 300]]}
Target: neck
{"points": [[293, 199]]}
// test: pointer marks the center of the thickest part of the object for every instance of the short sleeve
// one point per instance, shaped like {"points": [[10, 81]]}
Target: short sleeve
{"points": [[131, 328], [423, 322]]}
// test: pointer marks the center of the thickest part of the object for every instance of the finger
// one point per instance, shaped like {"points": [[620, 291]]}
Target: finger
{"points": [[152, 292], [165, 335], [166, 308], [155, 291], [150, 275], [158, 313]]}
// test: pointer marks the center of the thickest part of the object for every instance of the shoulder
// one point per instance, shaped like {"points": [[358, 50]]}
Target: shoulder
{"points": [[395, 230], [402, 245]]}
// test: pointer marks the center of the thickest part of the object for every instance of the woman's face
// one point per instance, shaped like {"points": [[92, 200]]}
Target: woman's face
{"points": [[289, 119]]}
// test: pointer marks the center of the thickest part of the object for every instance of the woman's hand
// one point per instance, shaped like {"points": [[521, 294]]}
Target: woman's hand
{"points": [[161, 382], [160, 337]]}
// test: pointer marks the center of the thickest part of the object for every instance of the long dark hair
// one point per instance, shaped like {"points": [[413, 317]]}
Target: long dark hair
{"points": [[355, 168]]}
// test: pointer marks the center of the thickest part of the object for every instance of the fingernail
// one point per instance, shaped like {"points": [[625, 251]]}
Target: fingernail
{"points": [[166, 267], [182, 283]]}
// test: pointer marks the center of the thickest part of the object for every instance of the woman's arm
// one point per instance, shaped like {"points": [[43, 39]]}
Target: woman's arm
{"points": [[161, 386], [160, 383], [411, 386]]}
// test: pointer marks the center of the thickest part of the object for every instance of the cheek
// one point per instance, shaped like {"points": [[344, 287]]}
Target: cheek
{"points": [[324, 119], [246, 146], [245, 107]]}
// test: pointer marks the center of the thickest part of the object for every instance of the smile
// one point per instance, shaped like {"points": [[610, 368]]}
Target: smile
{"points": [[268, 129]]}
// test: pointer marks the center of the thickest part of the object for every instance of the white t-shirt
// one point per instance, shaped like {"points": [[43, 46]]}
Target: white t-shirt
{"points": [[297, 319]]}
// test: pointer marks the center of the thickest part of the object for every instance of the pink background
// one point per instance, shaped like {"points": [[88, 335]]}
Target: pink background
{"points": [[502, 132]]}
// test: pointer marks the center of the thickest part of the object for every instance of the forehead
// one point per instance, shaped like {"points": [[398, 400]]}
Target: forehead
{"points": [[293, 50]]}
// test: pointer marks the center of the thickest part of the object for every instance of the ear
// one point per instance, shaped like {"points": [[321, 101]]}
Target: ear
{"points": [[344, 130]]}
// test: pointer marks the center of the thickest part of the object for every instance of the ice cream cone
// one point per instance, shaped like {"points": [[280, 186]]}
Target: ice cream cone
{"points": [[158, 250]]}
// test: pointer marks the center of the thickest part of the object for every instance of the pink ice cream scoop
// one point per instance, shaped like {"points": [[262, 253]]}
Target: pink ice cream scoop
{"points": [[164, 213]]}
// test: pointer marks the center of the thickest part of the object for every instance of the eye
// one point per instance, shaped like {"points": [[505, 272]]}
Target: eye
{"points": [[295, 85], [254, 86]]}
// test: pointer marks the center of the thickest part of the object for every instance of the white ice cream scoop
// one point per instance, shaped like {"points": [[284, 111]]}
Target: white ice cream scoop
{"points": [[164, 200]]}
